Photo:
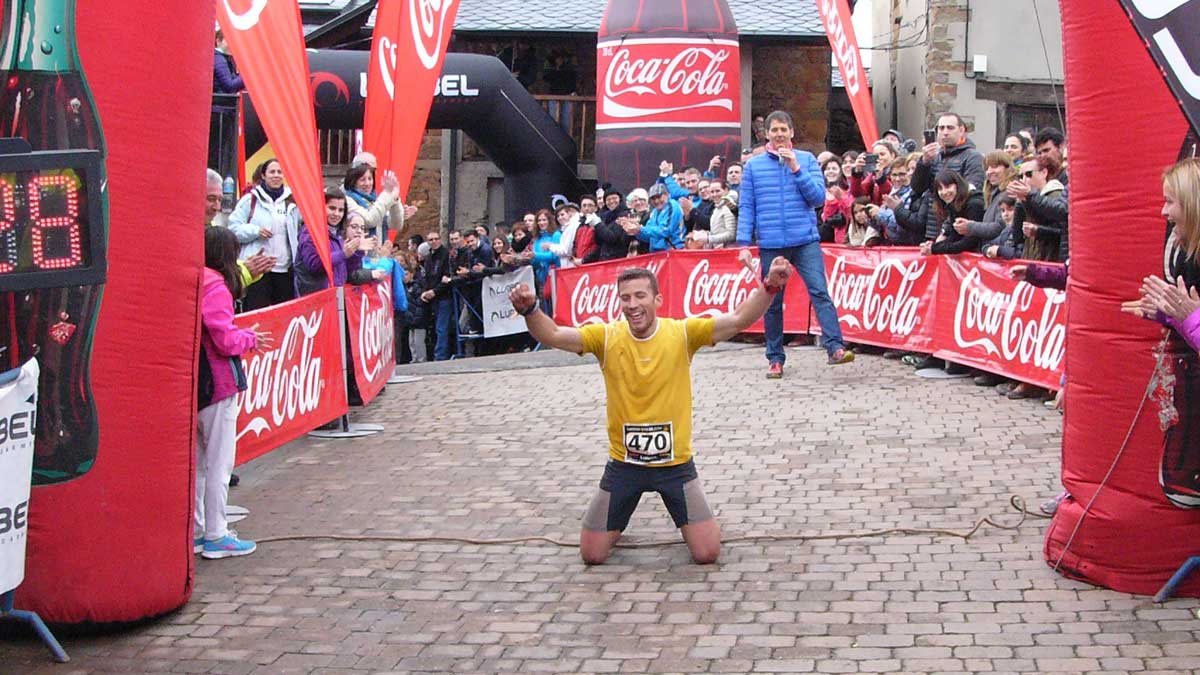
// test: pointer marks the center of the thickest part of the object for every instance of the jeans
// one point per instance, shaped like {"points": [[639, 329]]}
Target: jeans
{"points": [[809, 261], [444, 321]]}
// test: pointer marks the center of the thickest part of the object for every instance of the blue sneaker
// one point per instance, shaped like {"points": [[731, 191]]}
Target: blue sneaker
{"points": [[228, 546], [197, 544]]}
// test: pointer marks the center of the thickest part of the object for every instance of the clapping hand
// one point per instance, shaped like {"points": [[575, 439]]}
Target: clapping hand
{"points": [[262, 339], [1176, 301], [259, 263], [1018, 190], [390, 184]]}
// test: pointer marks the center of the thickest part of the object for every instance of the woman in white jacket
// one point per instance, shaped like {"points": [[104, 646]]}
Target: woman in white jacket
{"points": [[265, 221]]}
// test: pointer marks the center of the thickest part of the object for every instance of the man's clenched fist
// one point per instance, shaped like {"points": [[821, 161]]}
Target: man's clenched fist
{"points": [[777, 275], [522, 298]]}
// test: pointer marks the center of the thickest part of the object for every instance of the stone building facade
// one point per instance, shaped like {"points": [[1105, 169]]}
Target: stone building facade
{"points": [[932, 63]]}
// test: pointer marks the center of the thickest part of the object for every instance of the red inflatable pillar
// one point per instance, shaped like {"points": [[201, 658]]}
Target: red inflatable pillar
{"points": [[110, 533], [1131, 539]]}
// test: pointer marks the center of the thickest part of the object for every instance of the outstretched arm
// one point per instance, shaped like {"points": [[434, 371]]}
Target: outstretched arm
{"points": [[541, 327], [755, 305]]}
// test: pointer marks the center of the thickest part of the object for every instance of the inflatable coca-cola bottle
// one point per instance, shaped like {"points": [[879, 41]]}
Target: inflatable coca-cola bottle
{"points": [[54, 228], [667, 88]]}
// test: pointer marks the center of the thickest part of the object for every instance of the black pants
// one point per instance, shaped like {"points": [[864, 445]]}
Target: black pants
{"points": [[272, 289]]}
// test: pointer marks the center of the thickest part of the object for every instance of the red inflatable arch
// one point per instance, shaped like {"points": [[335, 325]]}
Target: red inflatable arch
{"points": [[1131, 539], [114, 542]]}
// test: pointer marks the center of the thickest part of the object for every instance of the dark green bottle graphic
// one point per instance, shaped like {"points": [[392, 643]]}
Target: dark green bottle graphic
{"points": [[53, 222]]}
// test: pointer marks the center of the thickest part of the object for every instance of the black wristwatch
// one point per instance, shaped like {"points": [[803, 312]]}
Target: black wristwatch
{"points": [[532, 308]]}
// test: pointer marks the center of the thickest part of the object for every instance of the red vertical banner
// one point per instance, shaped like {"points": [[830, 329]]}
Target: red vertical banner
{"points": [[369, 312], [835, 15], [410, 38], [267, 40]]}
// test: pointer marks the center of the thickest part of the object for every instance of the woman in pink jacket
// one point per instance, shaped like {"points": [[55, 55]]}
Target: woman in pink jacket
{"points": [[220, 378]]}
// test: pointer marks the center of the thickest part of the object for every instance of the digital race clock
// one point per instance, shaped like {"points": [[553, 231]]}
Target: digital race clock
{"points": [[51, 220]]}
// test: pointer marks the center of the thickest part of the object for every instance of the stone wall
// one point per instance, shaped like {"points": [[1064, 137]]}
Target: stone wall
{"points": [[794, 78]]}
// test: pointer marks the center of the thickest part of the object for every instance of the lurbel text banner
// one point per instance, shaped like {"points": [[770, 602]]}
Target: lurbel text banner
{"points": [[499, 317], [372, 336], [18, 414], [267, 41], [708, 283], [987, 320], [884, 297], [295, 385], [407, 51], [588, 294]]}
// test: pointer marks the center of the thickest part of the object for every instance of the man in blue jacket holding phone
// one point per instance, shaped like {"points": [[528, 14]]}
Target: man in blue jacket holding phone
{"points": [[781, 191]]}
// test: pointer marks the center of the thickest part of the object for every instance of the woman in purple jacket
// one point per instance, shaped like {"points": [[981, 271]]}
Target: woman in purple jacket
{"points": [[346, 246], [220, 379]]}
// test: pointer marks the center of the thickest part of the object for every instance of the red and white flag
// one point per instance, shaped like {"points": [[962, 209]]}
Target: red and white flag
{"points": [[835, 15], [266, 39], [410, 39]]}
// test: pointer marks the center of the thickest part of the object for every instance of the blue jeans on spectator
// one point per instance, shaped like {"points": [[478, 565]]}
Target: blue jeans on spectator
{"points": [[444, 320], [809, 261]]}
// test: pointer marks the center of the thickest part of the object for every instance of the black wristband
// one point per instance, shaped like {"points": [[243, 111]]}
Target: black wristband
{"points": [[532, 308]]}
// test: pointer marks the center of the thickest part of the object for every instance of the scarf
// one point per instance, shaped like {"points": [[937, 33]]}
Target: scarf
{"points": [[274, 194], [363, 200]]}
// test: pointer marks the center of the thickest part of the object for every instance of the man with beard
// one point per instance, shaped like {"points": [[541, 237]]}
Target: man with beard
{"points": [[646, 361]]}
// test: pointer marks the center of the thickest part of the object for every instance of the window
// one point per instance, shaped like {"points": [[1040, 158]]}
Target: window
{"points": [[1020, 116]]}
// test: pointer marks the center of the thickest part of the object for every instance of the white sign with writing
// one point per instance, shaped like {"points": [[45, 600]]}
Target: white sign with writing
{"points": [[18, 415], [499, 317]]}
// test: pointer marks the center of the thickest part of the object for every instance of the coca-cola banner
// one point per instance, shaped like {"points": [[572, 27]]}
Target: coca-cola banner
{"points": [[884, 297], [835, 14], [267, 40], [963, 308], [708, 283], [372, 336], [588, 294], [987, 320], [410, 38], [296, 385]]}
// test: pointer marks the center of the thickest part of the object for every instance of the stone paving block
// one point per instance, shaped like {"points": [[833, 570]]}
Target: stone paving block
{"points": [[822, 460]]}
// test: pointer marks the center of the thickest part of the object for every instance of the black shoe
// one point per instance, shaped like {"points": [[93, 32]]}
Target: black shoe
{"points": [[927, 362], [234, 480], [988, 380]]}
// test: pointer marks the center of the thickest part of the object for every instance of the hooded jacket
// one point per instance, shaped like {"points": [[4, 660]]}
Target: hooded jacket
{"points": [[257, 210]]}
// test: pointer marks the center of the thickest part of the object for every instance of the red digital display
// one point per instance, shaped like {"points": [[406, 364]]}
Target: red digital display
{"points": [[44, 220]]}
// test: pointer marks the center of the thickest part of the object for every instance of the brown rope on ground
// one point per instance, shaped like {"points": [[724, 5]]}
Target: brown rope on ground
{"points": [[1015, 501]]}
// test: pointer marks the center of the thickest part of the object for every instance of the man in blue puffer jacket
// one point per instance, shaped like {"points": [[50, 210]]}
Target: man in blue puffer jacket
{"points": [[781, 190], [664, 229]]}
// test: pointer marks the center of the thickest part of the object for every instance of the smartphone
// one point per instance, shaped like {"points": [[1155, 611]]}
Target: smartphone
{"points": [[872, 162], [930, 136]]}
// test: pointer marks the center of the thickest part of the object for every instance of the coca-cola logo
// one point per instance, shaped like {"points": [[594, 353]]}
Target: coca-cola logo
{"points": [[376, 336], [882, 300], [428, 20], [1017, 326], [713, 293], [385, 60], [646, 78], [284, 383], [247, 18], [598, 303], [844, 49]]}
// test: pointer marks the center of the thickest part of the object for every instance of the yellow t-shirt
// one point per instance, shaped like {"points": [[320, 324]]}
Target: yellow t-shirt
{"points": [[649, 384]]}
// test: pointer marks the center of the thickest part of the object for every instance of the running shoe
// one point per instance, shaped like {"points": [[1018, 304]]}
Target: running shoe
{"points": [[840, 356], [775, 371], [228, 546]]}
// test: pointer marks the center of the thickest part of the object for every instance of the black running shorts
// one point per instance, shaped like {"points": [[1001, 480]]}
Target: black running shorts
{"points": [[622, 486]]}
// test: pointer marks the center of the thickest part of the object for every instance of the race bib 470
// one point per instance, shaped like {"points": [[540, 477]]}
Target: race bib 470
{"points": [[649, 443]]}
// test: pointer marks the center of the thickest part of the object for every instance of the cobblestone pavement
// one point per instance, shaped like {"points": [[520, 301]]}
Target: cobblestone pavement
{"points": [[518, 453]]}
